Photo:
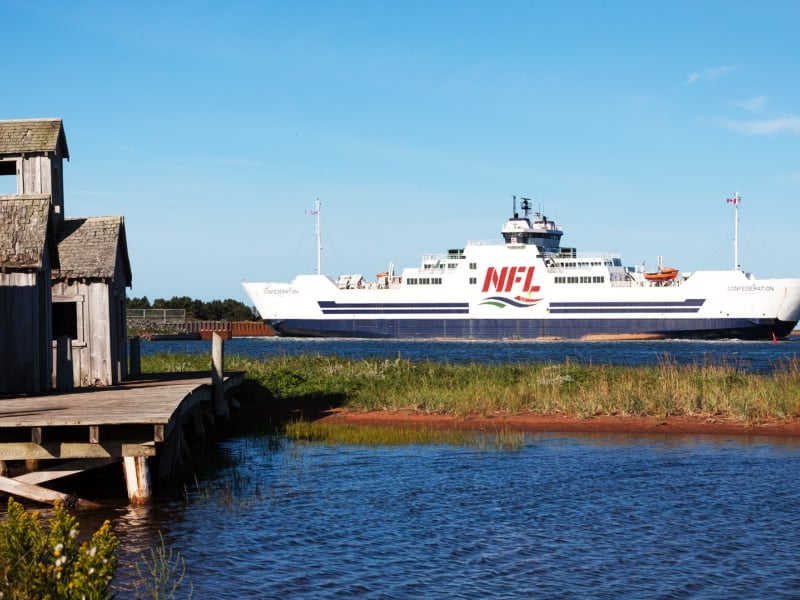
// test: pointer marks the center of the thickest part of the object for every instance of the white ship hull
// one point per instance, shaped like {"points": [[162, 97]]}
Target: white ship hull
{"points": [[528, 287]]}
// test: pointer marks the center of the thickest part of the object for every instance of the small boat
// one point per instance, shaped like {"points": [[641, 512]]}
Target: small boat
{"points": [[665, 274]]}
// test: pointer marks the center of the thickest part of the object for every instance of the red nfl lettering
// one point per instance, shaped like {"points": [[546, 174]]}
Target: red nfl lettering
{"points": [[495, 279], [504, 279]]}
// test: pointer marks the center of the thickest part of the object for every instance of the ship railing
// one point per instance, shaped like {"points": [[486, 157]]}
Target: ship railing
{"points": [[485, 243], [604, 256], [567, 263], [434, 262]]}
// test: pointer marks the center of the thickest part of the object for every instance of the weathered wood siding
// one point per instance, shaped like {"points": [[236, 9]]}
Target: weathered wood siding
{"points": [[99, 353], [42, 175], [89, 348], [25, 332]]}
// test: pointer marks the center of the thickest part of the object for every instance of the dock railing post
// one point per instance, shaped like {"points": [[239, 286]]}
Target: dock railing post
{"points": [[136, 357], [217, 376]]}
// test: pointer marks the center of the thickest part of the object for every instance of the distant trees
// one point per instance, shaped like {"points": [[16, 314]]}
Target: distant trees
{"points": [[216, 310]]}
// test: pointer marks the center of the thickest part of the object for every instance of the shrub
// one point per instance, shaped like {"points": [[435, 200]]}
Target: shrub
{"points": [[54, 565]]}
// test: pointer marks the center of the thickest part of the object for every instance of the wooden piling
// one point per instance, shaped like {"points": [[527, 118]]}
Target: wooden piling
{"points": [[137, 479], [217, 377]]}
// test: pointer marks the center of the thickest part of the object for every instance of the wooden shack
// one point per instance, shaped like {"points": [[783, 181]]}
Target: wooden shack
{"points": [[89, 298], [27, 251], [60, 278]]}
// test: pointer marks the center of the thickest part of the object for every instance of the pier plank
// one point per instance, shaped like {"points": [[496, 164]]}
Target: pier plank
{"points": [[40, 494]]}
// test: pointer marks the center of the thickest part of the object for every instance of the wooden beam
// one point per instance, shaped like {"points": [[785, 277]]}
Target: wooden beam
{"points": [[64, 470], [40, 494], [72, 450]]}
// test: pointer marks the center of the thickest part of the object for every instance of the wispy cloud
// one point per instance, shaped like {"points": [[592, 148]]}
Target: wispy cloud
{"points": [[790, 124], [709, 73], [755, 104]]}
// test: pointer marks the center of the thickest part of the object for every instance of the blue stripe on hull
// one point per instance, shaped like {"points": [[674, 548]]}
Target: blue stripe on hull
{"points": [[331, 307], [496, 329], [690, 305]]}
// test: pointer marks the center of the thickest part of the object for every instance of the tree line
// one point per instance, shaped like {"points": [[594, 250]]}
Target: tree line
{"points": [[216, 310]]}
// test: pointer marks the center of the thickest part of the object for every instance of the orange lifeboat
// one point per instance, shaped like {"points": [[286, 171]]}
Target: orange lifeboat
{"points": [[665, 274]]}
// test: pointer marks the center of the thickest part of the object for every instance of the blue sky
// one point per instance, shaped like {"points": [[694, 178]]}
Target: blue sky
{"points": [[213, 126]]}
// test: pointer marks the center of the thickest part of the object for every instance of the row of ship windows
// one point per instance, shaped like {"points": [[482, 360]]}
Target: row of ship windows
{"points": [[583, 279], [562, 264], [582, 264], [437, 265], [474, 280]]}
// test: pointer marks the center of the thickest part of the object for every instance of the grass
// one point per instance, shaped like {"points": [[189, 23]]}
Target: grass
{"points": [[707, 388], [393, 435]]}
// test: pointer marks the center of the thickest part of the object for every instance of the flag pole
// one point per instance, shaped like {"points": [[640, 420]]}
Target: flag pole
{"points": [[736, 200]]}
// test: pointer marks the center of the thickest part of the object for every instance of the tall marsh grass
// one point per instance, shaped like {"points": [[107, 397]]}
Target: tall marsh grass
{"points": [[709, 387], [393, 435]]}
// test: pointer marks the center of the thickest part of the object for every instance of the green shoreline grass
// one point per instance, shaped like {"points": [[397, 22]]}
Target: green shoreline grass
{"points": [[708, 388]]}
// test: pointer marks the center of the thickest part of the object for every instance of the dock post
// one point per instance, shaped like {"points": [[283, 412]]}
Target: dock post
{"points": [[64, 376], [136, 357], [217, 376], [137, 479]]}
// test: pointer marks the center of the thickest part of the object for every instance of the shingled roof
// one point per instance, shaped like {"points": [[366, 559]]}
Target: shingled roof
{"points": [[24, 136], [88, 247], [23, 230]]}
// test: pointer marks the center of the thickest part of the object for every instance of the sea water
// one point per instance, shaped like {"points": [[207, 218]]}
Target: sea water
{"points": [[564, 516]]}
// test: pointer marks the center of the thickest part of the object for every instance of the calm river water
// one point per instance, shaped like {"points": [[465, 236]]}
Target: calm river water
{"points": [[566, 516]]}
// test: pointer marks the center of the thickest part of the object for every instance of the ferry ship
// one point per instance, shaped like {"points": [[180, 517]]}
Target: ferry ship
{"points": [[528, 286]]}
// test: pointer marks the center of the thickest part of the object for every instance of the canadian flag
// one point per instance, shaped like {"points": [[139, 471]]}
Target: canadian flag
{"points": [[734, 200]]}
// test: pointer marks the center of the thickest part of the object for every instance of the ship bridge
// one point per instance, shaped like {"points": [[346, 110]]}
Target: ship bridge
{"points": [[519, 231]]}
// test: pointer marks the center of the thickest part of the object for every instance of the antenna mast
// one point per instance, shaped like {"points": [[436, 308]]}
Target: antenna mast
{"points": [[319, 238], [315, 211], [735, 201]]}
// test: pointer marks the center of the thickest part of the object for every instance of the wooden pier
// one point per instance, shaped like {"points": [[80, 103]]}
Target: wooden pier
{"points": [[141, 420]]}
